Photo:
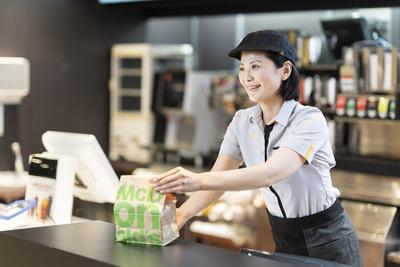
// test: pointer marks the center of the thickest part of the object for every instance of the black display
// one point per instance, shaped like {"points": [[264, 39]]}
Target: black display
{"points": [[344, 32], [171, 88], [43, 167]]}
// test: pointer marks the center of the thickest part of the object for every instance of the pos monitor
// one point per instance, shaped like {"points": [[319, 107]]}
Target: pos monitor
{"points": [[96, 180], [344, 32]]}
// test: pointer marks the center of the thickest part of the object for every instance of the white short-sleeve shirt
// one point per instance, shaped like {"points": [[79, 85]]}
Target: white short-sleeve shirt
{"points": [[301, 128]]}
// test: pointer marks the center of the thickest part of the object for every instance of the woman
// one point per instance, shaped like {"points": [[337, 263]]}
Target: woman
{"points": [[285, 147]]}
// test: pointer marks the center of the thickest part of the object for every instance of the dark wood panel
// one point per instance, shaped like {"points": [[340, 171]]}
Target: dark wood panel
{"points": [[201, 7], [9, 136], [68, 44]]}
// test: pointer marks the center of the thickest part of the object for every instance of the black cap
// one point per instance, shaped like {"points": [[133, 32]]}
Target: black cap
{"points": [[268, 41]]}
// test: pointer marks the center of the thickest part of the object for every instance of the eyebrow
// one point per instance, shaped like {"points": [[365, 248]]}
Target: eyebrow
{"points": [[251, 62]]}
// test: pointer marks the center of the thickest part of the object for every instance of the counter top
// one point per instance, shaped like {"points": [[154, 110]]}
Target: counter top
{"points": [[367, 187], [93, 244], [11, 186]]}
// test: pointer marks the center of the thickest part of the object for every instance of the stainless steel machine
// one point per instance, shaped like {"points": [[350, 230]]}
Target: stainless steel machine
{"points": [[188, 123], [372, 202], [133, 71]]}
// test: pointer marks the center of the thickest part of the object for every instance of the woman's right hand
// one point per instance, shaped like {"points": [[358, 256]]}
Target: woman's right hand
{"points": [[181, 218]]}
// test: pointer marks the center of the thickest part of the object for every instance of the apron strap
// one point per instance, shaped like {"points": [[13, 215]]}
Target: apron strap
{"points": [[267, 132], [279, 201]]}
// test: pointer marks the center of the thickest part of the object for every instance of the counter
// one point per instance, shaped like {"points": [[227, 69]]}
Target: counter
{"points": [[372, 202], [369, 188], [93, 244]]}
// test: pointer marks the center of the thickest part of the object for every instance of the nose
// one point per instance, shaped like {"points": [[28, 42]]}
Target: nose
{"points": [[248, 76]]}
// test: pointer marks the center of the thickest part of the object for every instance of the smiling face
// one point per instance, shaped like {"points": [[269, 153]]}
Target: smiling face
{"points": [[260, 77]]}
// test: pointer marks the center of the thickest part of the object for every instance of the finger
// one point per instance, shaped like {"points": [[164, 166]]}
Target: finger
{"points": [[167, 180], [176, 189], [169, 185], [165, 174]]}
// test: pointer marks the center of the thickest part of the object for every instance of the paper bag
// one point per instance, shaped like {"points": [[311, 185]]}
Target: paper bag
{"points": [[143, 215]]}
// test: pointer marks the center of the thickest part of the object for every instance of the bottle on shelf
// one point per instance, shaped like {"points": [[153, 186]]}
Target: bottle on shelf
{"points": [[383, 107], [351, 106], [341, 105], [361, 106], [372, 107], [392, 108], [348, 73]]}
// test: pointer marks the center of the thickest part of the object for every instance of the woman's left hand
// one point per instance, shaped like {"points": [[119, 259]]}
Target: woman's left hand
{"points": [[178, 180]]}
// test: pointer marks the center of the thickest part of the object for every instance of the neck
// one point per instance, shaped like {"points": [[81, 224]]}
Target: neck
{"points": [[270, 109]]}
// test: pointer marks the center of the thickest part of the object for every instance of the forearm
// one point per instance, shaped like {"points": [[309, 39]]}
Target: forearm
{"points": [[281, 165], [237, 180], [199, 201]]}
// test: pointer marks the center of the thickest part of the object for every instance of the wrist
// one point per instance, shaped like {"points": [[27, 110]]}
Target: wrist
{"points": [[186, 214], [203, 184]]}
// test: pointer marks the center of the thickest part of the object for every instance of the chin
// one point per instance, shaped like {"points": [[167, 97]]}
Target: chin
{"points": [[255, 99]]}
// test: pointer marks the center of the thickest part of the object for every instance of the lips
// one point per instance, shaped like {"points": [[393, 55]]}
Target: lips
{"points": [[252, 87]]}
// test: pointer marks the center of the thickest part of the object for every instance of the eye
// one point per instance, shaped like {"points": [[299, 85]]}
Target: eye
{"points": [[241, 68], [255, 66]]}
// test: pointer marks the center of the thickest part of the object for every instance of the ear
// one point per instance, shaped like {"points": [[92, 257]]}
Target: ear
{"points": [[286, 70]]}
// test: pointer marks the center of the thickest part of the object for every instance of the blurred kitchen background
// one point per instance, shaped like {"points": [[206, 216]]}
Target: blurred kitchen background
{"points": [[153, 82]]}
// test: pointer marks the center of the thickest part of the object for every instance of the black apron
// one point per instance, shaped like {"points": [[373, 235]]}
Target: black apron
{"points": [[327, 235]]}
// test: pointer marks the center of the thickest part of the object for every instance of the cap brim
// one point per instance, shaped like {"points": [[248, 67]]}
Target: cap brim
{"points": [[235, 53]]}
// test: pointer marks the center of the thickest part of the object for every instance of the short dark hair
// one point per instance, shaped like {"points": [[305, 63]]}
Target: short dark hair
{"points": [[290, 87]]}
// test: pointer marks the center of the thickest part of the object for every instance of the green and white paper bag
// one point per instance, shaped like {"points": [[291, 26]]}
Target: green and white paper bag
{"points": [[143, 215]]}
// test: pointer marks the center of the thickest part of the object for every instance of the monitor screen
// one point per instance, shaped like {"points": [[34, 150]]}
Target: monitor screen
{"points": [[96, 180], [344, 32], [171, 88]]}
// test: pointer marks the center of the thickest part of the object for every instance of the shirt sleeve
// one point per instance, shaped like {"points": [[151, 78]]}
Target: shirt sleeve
{"points": [[308, 135], [230, 143]]}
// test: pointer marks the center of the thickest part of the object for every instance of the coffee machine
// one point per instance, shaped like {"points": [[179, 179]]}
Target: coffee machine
{"points": [[134, 68]]}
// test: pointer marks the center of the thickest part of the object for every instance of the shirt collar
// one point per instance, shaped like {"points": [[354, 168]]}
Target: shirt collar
{"points": [[282, 117]]}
